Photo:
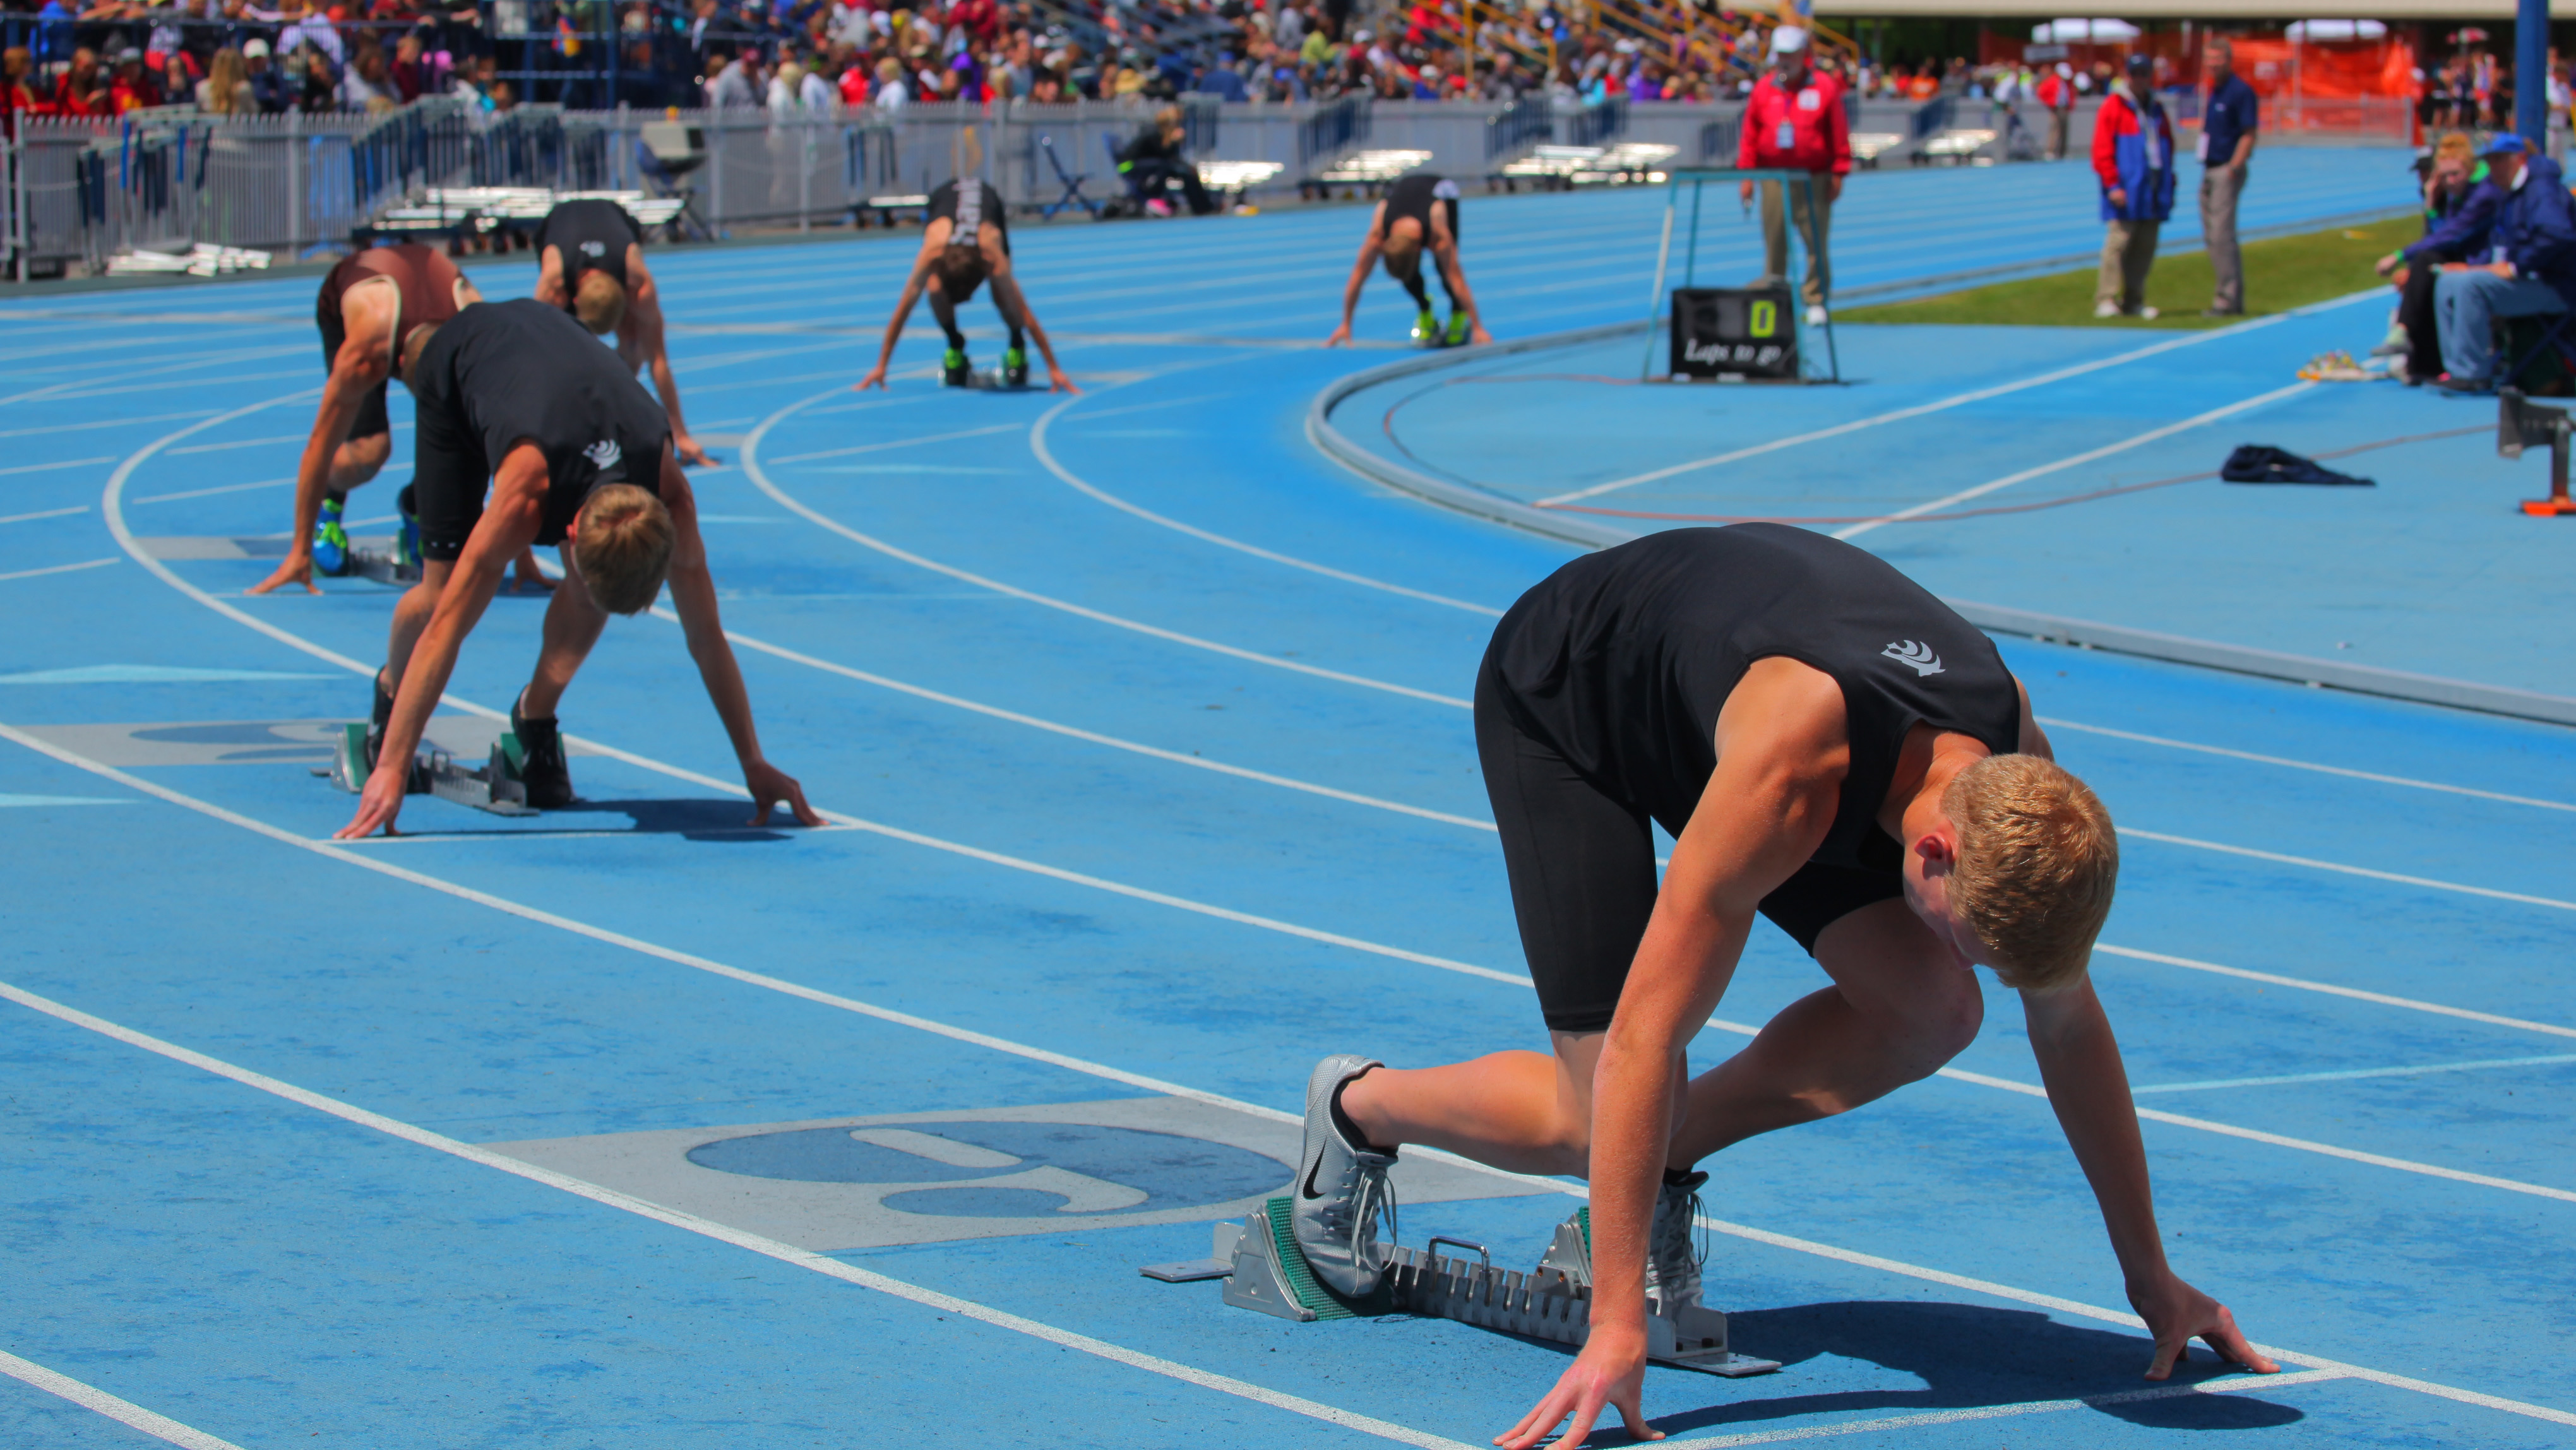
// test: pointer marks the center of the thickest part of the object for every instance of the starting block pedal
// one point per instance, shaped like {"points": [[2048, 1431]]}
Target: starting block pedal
{"points": [[1265, 1270], [380, 565], [496, 787], [989, 380]]}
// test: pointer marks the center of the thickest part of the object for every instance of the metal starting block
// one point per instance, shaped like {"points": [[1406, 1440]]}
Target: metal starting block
{"points": [[379, 565], [495, 788], [1265, 1270], [989, 380]]}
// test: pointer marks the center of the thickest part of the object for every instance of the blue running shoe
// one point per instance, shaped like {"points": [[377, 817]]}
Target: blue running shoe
{"points": [[330, 541]]}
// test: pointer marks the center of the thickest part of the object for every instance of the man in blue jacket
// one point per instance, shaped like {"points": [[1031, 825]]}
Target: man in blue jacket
{"points": [[2133, 158], [2527, 270]]}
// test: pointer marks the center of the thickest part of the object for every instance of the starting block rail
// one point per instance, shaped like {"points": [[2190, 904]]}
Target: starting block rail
{"points": [[1264, 1269], [496, 787]]}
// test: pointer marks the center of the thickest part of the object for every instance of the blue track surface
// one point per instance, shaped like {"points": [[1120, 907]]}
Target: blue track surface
{"points": [[1144, 728]]}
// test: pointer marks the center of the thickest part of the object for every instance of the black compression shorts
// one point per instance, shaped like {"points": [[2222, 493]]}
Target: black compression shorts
{"points": [[1582, 868]]}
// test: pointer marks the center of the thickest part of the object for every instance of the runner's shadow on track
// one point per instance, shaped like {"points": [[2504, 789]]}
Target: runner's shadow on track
{"points": [[1969, 1357], [695, 820]]}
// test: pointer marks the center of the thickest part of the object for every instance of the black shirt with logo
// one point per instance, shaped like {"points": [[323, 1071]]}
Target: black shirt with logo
{"points": [[1622, 660], [504, 372]]}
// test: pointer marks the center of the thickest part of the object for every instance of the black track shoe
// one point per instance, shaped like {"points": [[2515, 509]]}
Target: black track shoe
{"points": [[380, 721], [542, 767]]}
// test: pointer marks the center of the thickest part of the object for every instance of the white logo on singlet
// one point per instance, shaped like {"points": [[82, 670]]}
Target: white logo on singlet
{"points": [[594, 249], [1915, 653], [604, 454]]}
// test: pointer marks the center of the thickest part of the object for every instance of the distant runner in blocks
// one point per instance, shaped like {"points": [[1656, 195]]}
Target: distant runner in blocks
{"points": [[1833, 748], [517, 395], [367, 304], [590, 262], [1419, 214], [966, 243]]}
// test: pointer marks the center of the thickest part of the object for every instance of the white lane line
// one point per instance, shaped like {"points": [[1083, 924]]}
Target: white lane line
{"points": [[1046, 455], [61, 568], [898, 442], [51, 467], [2351, 1074], [2075, 460], [238, 443], [1120, 1075], [2233, 1384], [2412, 1004], [99, 1401], [211, 492], [200, 384], [45, 514], [1876, 420], [760, 478], [2315, 865], [105, 423], [721, 1233], [2370, 775]]}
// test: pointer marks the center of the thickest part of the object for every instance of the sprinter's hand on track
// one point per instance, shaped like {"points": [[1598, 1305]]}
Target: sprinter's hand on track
{"points": [[770, 786], [1611, 1371], [297, 569], [689, 451], [1479, 336], [2176, 1313], [875, 379], [1341, 335], [1057, 382], [378, 804]]}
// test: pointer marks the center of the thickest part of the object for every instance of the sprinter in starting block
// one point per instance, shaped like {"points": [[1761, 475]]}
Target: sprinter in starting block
{"points": [[367, 303], [577, 455], [1833, 748], [1420, 213], [966, 243], [590, 262]]}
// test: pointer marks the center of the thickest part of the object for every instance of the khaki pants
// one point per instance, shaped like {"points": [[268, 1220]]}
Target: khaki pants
{"points": [[1813, 225], [2058, 119], [2219, 188], [2128, 251]]}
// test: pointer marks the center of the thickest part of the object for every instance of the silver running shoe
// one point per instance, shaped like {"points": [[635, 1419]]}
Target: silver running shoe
{"points": [[1674, 1250], [1341, 1189]]}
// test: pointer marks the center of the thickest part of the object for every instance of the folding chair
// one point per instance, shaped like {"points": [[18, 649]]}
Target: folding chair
{"points": [[1073, 181]]}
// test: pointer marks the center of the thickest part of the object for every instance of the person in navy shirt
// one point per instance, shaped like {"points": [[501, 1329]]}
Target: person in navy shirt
{"points": [[2226, 144]]}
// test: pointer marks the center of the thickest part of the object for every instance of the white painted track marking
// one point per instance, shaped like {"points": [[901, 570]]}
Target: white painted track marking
{"points": [[211, 492], [2352, 1074], [2233, 1384], [78, 508], [760, 479], [2304, 984], [99, 1401], [2340, 869], [1919, 410], [2075, 460], [51, 467], [61, 568], [1046, 455], [708, 1228], [1113, 1074], [2168, 742]]}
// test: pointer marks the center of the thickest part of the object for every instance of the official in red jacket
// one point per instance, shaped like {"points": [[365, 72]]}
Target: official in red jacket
{"points": [[2133, 156], [1795, 122]]}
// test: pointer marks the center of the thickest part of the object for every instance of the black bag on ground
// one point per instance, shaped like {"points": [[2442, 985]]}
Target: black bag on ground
{"points": [[2263, 463]]}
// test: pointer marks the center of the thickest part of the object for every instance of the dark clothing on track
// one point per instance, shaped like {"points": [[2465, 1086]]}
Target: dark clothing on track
{"points": [[1152, 162], [507, 372], [1597, 706], [1412, 196], [425, 283], [593, 235], [968, 203]]}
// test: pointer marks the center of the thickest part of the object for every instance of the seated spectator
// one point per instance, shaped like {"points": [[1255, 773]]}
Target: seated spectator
{"points": [[270, 89], [82, 88], [816, 93], [2459, 212], [853, 84], [890, 94], [308, 27], [409, 70], [133, 88], [2532, 271], [368, 86], [226, 89], [310, 81], [1153, 160], [17, 89]]}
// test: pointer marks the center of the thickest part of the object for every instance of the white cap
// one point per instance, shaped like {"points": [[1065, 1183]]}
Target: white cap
{"points": [[1788, 40], [255, 46]]}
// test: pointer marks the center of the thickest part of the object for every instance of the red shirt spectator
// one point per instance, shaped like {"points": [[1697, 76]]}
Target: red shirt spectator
{"points": [[1800, 129], [82, 91], [854, 83]]}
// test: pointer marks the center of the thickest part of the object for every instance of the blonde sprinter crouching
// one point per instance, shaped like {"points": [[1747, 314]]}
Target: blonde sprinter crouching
{"points": [[577, 455], [1832, 748]]}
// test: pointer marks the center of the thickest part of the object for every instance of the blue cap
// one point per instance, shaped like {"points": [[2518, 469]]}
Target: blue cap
{"points": [[2506, 144]]}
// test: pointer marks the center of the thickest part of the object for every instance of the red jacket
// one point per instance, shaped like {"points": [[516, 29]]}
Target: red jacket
{"points": [[1818, 134]]}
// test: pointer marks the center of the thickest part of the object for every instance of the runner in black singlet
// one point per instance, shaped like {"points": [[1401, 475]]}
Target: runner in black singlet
{"points": [[1832, 748], [590, 262], [1420, 211], [366, 303], [965, 242], [575, 454]]}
